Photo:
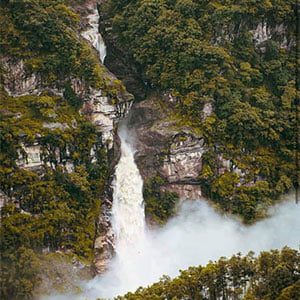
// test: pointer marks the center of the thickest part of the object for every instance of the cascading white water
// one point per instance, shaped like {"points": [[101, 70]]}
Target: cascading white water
{"points": [[93, 35], [128, 211], [128, 224], [128, 217]]}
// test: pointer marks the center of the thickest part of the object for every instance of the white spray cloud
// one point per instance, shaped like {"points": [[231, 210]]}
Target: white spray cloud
{"points": [[198, 234]]}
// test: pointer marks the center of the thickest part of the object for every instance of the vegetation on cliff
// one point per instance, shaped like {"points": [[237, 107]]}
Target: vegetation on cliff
{"points": [[52, 208], [159, 205], [205, 52], [184, 48], [55, 206], [272, 275]]}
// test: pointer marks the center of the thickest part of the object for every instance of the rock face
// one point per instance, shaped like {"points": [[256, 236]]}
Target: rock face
{"points": [[105, 115], [33, 158], [93, 35], [264, 32], [4, 199], [104, 242], [183, 162], [174, 154], [17, 81], [102, 111]]}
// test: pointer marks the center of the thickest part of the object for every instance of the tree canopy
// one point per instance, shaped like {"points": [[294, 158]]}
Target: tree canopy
{"points": [[239, 56]]}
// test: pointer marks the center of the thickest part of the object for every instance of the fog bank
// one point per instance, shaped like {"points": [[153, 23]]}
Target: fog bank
{"points": [[198, 234]]}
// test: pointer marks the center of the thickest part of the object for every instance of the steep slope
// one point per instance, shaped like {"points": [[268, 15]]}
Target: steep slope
{"points": [[59, 111], [223, 116]]}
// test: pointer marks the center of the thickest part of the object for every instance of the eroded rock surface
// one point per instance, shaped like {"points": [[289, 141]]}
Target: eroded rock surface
{"points": [[184, 160], [17, 80], [164, 149], [98, 105]]}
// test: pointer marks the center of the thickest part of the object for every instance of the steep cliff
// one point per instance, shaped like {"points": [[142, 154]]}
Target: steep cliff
{"points": [[215, 83], [118, 59], [165, 149], [59, 113], [224, 110]]}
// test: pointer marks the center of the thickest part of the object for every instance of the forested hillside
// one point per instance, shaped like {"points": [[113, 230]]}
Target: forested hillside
{"points": [[54, 202], [221, 72], [237, 57], [272, 275]]}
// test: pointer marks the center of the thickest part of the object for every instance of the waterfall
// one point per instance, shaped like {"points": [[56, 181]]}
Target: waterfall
{"points": [[128, 210], [93, 35]]}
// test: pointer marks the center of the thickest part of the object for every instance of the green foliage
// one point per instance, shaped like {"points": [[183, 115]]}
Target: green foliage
{"points": [[44, 34], [273, 275], [71, 97], [19, 274], [159, 205], [203, 52], [26, 274], [57, 208]]}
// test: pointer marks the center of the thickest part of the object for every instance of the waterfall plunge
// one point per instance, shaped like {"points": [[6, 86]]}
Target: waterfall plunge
{"points": [[128, 223], [93, 35], [128, 210]]}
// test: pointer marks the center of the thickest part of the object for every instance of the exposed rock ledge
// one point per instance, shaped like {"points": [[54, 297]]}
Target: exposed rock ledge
{"points": [[99, 108], [175, 154], [19, 82]]}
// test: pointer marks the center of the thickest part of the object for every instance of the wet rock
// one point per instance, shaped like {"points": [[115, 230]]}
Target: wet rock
{"points": [[163, 148]]}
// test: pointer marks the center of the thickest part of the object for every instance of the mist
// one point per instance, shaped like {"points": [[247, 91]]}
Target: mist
{"points": [[195, 236]]}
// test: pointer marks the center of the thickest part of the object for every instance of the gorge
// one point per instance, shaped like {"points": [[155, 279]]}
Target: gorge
{"points": [[195, 236], [139, 140]]}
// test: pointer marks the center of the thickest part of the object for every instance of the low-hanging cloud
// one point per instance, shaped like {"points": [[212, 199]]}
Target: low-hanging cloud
{"points": [[198, 234]]}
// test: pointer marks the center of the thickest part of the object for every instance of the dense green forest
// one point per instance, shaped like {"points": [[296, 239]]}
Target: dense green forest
{"points": [[204, 52], [52, 209], [198, 51], [272, 275]]}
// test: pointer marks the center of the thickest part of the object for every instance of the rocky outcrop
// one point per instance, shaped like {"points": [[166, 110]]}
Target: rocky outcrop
{"points": [[31, 157], [93, 35], [17, 80], [104, 114], [34, 157], [104, 242], [4, 199], [165, 149], [264, 32], [184, 159]]}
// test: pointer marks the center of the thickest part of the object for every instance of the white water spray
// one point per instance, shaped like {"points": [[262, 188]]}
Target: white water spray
{"points": [[128, 220], [198, 234], [93, 35], [128, 223]]}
